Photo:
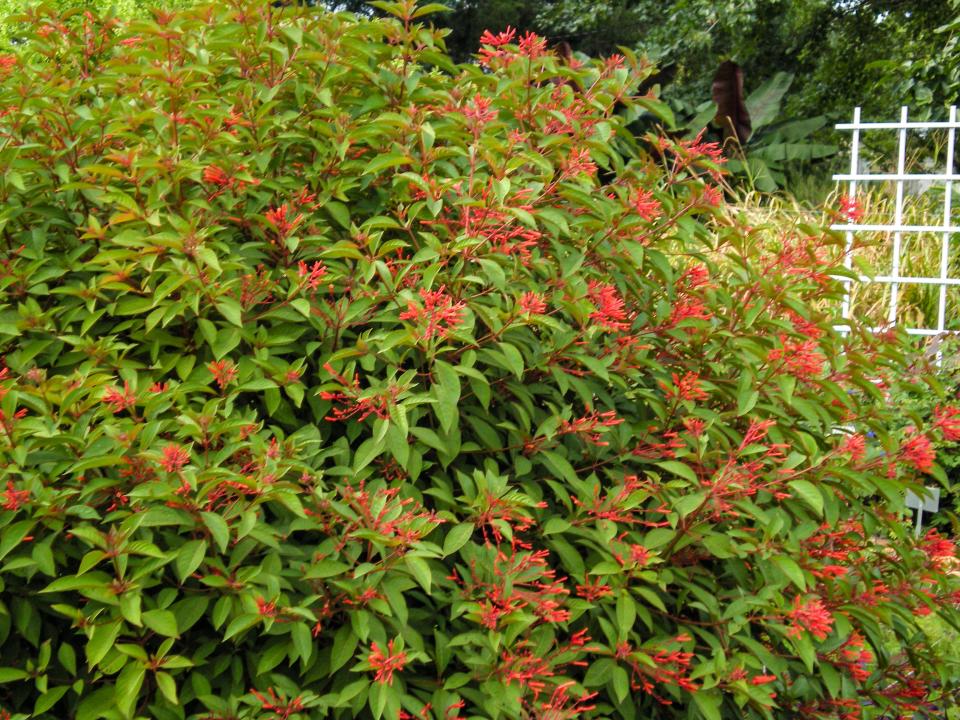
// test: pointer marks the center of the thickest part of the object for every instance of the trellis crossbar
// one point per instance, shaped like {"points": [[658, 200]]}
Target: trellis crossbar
{"points": [[897, 228]]}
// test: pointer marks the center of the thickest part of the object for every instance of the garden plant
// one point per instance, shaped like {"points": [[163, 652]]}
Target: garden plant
{"points": [[341, 380]]}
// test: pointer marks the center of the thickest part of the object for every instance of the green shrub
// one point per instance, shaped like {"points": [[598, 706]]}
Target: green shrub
{"points": [[342, 381]]}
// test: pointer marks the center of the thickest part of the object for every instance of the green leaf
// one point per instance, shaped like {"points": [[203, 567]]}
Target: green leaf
{"points": [[420, 570], [128, 687], [189, 557], [219, 530], [101, 641], [302, 640], [446, 389], [626, 614], [368, 451], [791, 569], [458, 536], [344, 646], [167, 686], [809, 493], [678, 468], [162, 622], [241, 624], [48, 699], [339, 212], [688, 503], [325, 569], [231, 310], [708, 702], [12, 675], [513, 358]]}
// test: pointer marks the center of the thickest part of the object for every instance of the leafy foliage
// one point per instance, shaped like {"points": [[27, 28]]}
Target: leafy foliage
{"points": [[343, 381]]}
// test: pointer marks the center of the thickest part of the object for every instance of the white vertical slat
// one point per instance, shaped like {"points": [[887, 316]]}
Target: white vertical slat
{"points": [[898, 215], [852, 195], [945, 249]]}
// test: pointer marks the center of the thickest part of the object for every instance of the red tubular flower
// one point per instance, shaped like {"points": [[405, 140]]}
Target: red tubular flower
{"points": [[579, 161], [277, 705], [938, 548], [120, 400], [947, 420], [439, 313], [215, 175], [266, 609], [532, 45], [174, 457], [562, 705], [224, 372], [918, 452], [589, 426], [855, 445], [686, 387], [498, 40], [812, 616], [646, 206], [13, 498], [610, 313], [802, 358], [478, 111], [278, 218], [595, 590], [532, 304], [386, 664], [314, 273], [851, 210], [495, 46]]}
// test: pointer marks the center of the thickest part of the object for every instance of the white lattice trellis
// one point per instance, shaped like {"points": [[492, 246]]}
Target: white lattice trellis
{"points": [[897, 229]]}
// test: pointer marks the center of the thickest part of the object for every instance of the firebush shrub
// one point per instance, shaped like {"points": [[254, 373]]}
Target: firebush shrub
{"points": [[342, 381]]}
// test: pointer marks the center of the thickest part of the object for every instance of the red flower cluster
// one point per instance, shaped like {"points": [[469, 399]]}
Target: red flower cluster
{"points": [[438, 316], [385, 663], [662, 667], [917, 451], [811, 616], [353, 402], [947, 421], [801, 358], [589, 426], [13, 498], [610, 313], [685, 388], [579, 162], [854, 657], [314, 273], [531, 670], [478, 112], [224, 372], [279, 706], [614, 506], [562, 705], [939, 549], [855, 445], [851, 209], [494, 45], [277, 217], [215, 175], [532, 304], [120, 400], [645, 205], [174, 457]]}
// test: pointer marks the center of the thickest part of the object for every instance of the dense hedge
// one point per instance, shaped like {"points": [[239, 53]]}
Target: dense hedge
{"points": [[341, 381]]}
